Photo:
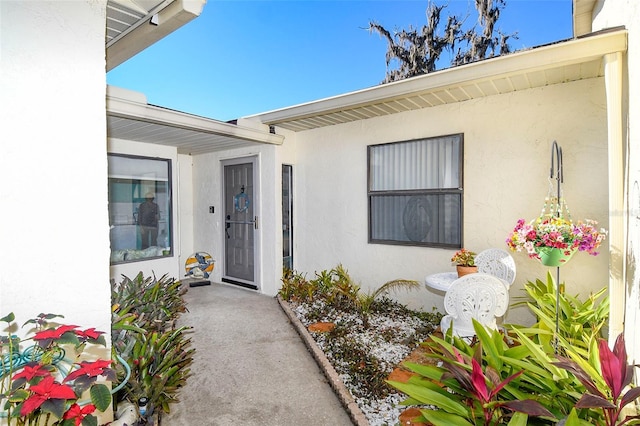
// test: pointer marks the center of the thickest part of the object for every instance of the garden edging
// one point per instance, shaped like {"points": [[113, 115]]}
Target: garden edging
{"points": [[357, 416]]}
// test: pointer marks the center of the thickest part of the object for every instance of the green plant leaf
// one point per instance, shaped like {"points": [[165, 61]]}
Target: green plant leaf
{"points": [[19, 395], [518, 419], [428, 396], [528, 367], [89, 421], [100, 396], [9, 318], [440, 418], [54, 406], [538, 354], [492, 350], [574, 420], [425, 370], [516, 352]]}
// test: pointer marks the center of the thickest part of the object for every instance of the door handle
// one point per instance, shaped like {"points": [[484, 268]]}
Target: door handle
{"points": [[255, 222]]}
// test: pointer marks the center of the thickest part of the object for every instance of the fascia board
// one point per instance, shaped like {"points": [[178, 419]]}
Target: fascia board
{"points": [[541, 58], [152, 114], [172, 17]]}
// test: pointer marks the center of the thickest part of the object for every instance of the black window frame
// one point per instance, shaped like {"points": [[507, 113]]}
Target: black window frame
{"points": [[168, 250], [458, 192]]}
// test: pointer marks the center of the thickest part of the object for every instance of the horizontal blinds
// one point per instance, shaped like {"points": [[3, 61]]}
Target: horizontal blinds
{"points": [[421, 164]]}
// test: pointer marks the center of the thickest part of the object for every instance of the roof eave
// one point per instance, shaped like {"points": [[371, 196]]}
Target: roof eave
{"points": [[144, 113], [176, 14], [546, 57]]}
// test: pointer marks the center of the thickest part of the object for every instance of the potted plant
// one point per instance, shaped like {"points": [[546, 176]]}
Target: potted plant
{"points": [[554, 240], [465, 262]]}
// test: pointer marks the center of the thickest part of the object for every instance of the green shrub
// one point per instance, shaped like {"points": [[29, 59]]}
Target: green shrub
{"points": [[144, 334], [580, 322]]}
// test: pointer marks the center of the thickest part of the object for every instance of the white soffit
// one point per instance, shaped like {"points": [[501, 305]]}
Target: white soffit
{"points": [[133, 120], [562, 62], [134, 25]]}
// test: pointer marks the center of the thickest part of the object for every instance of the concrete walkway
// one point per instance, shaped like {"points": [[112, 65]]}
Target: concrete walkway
{"points": [[250, 367]]}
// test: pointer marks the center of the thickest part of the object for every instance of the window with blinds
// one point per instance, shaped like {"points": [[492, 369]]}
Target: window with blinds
{"points": [[415, 192]]}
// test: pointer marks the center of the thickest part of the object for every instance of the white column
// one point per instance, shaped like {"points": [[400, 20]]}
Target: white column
{"points": [[617, 212]]}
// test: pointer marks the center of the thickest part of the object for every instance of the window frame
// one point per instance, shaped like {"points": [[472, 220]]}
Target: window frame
{"points": [[169, 212], [416, 192]]}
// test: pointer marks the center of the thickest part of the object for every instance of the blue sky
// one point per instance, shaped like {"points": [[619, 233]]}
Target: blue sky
{"points": [[245, 57]]}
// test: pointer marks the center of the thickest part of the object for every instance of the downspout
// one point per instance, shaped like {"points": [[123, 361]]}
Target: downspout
{"points": [[617, 212]]}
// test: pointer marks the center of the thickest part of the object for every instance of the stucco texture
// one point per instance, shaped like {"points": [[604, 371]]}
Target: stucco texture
{"points": [[54, 223], [507, 151]]}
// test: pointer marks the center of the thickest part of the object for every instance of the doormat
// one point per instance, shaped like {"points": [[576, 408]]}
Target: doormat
{"points": [[199, 283]]}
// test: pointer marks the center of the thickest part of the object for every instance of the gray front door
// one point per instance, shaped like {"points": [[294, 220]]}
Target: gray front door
{"points": [[240, 223]]}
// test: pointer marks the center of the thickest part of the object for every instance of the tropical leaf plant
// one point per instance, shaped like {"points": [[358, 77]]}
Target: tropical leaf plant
{"points": [[144, 335], [605, 378], [364, 301], [472, 384], [580, 322]]}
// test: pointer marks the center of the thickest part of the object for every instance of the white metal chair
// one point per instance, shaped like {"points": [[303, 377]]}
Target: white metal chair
{"points": [[498, 263], [483, 297]]}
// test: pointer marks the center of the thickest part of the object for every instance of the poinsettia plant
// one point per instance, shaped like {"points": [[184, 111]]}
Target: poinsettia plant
{"points": [[39, 384], [556, 232]]}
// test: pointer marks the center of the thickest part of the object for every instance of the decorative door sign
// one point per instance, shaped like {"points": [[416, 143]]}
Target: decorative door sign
{"points": [[241, 201]]}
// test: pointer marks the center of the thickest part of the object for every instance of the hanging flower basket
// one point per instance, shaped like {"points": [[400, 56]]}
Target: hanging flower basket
{"points": [[553, 238], [550, 256]]}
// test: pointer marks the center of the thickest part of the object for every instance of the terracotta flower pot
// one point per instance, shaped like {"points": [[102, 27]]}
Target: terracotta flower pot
{"points": [[465, 270]]}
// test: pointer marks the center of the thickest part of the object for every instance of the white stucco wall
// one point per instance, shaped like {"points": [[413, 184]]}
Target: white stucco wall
{"points": [[184, 196], [169, 265], [54, 255], [610, 14], [507, 150]]}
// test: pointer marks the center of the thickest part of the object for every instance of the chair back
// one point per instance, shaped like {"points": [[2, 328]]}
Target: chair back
{"points": [[483, 297], [498, 263]]}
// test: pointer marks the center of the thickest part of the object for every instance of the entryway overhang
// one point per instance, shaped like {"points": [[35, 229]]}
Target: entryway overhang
{"points": [[129, 117], [561, 62], [134, 25]]}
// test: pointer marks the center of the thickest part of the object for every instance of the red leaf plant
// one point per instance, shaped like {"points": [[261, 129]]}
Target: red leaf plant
{"points": [[46, 390], [486, 397], [616, 373], [34, 385], [78, 413]]}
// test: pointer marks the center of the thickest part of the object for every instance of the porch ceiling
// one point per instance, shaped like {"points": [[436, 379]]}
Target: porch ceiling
{"points": [[134, 120], [134, 25], [562, 62]]}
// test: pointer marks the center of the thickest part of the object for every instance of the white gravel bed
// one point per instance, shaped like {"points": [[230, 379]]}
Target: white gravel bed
{"points": [[385, 339]]}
